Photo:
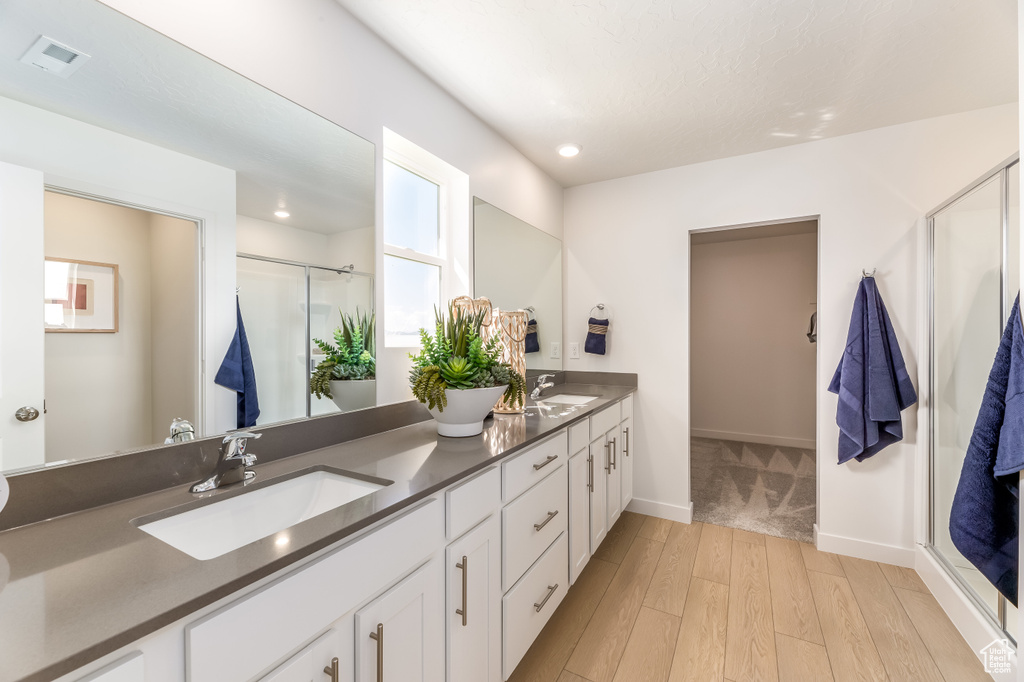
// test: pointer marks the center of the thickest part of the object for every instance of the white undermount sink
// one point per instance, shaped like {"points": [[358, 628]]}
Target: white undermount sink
{"points": [[220, 527], [567, 399]]}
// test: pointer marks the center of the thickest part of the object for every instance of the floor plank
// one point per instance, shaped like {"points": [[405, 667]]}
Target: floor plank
{"points": [[792, 603], [900, 576], [822, 562], [954, 658], [672, 577], [648, 654], [850, 650], [713, 554], [620, 537], [655, 529], [567, 676], [750, 644], [903, 653], [550, 651], [700, 648], [597, 654], [746, 536], [801, 661]]}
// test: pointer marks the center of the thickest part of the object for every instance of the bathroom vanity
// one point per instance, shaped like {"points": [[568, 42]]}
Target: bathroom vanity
{"points": [[447, 572]]}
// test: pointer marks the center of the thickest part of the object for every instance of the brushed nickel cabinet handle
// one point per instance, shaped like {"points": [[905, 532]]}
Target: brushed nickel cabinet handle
{"points": [[551, 515], [625, 446], [379, 638], [608, 456], [549, 460], [551, 591], [332, 670], [615, 453], [590, 481], [465, 579]]}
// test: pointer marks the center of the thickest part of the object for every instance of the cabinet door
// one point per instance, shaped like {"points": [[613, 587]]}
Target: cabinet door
{"points": [[128, 669], [579, 513], [596, 461], [613, 471], [400, 635], [315, 663], [626, 461], [473, 604]]}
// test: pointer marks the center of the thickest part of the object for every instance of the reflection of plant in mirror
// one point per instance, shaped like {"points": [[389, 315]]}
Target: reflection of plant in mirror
{"points": [[352, 357], [457, 357]]}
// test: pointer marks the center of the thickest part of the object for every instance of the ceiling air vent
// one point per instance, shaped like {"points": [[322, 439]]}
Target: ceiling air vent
{"points": [[54, 57]]}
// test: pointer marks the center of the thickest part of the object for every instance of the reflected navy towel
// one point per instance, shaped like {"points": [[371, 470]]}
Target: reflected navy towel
{"points": [[532, 342], [871, 380], [597, 330], [237, 374], [983, 521]]}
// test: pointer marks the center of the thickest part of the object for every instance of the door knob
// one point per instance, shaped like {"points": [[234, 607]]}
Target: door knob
{"points": [[26, 414]]}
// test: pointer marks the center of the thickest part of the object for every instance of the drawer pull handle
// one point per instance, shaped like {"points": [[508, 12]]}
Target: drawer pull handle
{"points": [[332, 670], [551, 591], [551, 515], [590, 481], [615, 453], [608, 458], [379, 638], [549, 460], [625, 448], [465, 579]]}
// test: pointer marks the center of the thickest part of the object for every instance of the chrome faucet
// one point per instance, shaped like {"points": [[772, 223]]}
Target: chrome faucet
{"points": [[542, 383], [232, 463]]}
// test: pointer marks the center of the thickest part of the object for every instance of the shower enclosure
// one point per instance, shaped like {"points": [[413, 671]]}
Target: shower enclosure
{"points": [[974, 267], [285, 305]]}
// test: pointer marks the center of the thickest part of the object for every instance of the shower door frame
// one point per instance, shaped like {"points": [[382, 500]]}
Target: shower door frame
{"points": [[997, 619]]}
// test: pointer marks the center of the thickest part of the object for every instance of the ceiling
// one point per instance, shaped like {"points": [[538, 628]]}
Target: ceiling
{"points": [[644, 85], [142, 84]]}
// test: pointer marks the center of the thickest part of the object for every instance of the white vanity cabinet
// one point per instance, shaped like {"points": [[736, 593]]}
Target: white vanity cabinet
{"points": [[400, 635], [131, 668], [627, 458], [329, 658]]}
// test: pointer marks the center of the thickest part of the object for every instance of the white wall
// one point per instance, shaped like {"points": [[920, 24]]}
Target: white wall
{"points": [[869, 189], [752, 366], [264, 238], [327, 61], [92, 160]]}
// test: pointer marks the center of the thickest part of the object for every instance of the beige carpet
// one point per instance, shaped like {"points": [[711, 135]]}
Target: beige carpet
{"points": [[761, 488]]}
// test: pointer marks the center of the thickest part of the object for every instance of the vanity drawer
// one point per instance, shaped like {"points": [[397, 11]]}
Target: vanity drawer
{"points": [[544, 586], [472, 501], [522, 471], [604, 421], [267, 625], [545, 505], [579, 436], [627, 408]]}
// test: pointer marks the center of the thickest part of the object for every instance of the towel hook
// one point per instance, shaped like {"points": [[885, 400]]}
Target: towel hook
{"points": [[867, 274], [530, 309], [599, 306]]}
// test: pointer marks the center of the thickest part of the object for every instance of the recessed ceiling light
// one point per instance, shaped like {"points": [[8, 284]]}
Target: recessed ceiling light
{"points": [[282, 214], [569, 150]]}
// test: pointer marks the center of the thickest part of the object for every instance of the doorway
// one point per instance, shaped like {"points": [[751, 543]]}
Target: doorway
{"points": [[753, 377]]}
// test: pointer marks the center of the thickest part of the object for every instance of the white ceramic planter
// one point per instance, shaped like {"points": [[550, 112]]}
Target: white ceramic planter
{"points": [[351, 395], [464, 415]]}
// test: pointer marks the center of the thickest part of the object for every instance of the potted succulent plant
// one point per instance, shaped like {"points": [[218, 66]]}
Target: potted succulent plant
{"points": [[347, 374], [458, 376]]}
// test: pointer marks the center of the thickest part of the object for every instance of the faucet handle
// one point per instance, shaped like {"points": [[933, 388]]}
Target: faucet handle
{"points": [[544, 377], [233, 444]]}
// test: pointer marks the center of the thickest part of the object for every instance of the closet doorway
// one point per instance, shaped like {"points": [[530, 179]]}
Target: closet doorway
{"points": [[753, 368]]}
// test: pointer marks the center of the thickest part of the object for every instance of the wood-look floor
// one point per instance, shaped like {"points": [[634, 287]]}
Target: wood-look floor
{"points": [[667, 602]]}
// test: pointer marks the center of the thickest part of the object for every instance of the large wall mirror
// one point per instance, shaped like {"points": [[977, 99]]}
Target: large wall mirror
{"points": [[149, 197], [519, 267]]}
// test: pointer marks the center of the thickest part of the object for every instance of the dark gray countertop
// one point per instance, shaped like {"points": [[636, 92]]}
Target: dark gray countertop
{"points": [[75, 588]]}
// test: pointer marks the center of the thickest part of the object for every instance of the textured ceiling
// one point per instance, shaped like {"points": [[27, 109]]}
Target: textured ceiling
{"points": [[651, 84], [144, 85]]}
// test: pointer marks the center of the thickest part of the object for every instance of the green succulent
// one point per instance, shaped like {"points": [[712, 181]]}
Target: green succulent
{"points": [[350, 357]]}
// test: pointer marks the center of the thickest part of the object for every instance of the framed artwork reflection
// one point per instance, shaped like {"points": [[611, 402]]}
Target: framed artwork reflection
{"points": [[79, 296]]}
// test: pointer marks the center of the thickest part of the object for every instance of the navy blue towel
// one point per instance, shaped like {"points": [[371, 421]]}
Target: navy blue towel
{"points": [[532, 342], [983, 521], [236, 373], [597, 330], [871, 380]]}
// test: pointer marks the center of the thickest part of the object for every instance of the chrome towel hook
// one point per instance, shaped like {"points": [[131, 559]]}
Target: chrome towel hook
{"points": [[868, 274], [599, 306]]}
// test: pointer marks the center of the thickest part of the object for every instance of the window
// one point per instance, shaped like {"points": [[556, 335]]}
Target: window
{"points": [[426, 238]]}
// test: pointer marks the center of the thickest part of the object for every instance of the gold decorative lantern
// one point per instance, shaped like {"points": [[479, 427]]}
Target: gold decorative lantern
{"points": [[510, 326]]}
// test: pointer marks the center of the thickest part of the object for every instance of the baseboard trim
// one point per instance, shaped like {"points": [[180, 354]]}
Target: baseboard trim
{"points": [[975, 628], [804, 443], [661, 510], [862, 549]]}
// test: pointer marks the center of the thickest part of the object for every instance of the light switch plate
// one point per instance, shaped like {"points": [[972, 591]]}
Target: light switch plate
{"points": [[556, 350], [574, 350]]}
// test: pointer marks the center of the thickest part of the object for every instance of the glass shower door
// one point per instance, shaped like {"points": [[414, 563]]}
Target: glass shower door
{"points": [[975, 270]]}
